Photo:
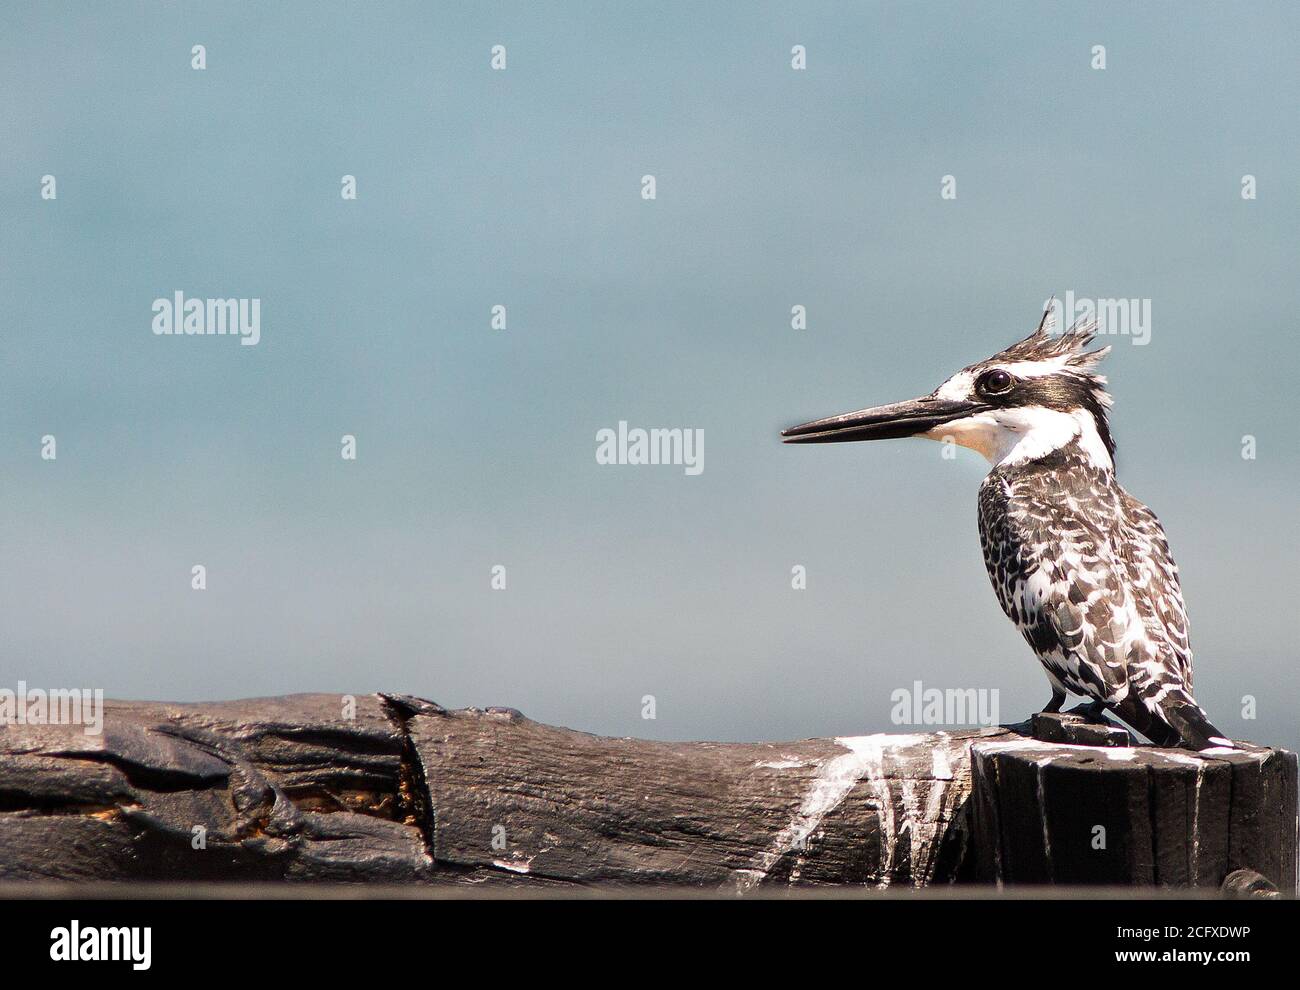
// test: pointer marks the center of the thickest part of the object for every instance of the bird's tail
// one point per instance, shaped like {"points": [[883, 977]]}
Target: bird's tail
{"points": [[1193, 726], [1176, 721]]}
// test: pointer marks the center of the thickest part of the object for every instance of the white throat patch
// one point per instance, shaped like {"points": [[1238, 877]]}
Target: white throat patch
{"points": [[1025, 433]]}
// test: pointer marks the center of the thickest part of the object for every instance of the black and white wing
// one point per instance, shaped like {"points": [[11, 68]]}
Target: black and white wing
{"points": [[1153, 578]]}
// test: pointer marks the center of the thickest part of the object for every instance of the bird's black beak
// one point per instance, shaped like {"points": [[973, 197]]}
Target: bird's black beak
{"points": [[898, 419]]}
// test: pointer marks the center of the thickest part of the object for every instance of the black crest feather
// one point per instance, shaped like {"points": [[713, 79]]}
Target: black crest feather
{"points": [[1044, 345]]}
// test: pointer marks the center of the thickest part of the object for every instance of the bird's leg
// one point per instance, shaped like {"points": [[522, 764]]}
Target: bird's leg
{"points": [[1096, 712], [1058, 699]]}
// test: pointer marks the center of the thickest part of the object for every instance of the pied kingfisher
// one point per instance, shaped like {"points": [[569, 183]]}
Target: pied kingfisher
{"points": [[1078, 564]]}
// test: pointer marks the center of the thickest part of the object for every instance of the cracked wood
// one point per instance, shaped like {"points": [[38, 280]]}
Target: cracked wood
{"points": [[404, 791]]}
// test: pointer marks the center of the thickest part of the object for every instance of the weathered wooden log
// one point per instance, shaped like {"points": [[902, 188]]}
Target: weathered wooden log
{"points": [[396, 789], [282, 788], [511, 794]]}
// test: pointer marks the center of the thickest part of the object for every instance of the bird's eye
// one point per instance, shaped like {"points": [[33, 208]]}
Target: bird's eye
{"points": [[994, 382]]}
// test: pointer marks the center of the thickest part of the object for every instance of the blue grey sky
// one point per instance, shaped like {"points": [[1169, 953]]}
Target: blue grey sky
{"points": [[476, 447]]}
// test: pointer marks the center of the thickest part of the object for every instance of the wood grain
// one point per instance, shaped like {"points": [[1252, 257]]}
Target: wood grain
{"points": [[386, 789]]}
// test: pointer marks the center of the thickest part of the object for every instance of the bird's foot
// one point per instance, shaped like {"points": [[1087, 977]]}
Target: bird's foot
{"points": [[1094, 712]]}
